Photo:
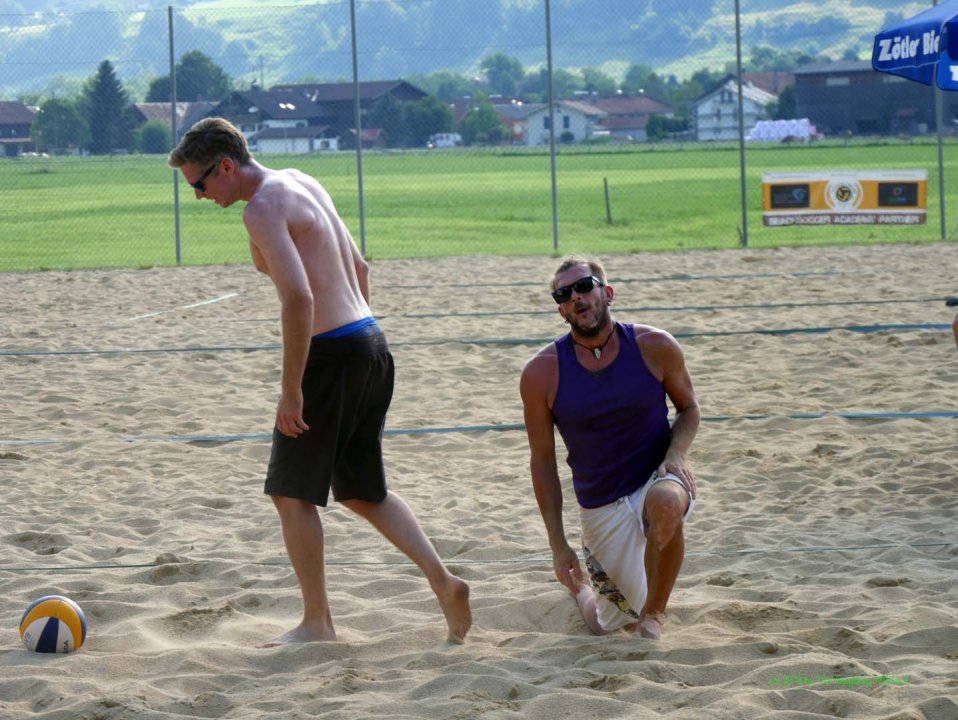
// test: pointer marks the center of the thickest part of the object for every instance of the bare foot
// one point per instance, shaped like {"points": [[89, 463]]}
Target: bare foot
{"points": [[585, 599], [650, 625], [302, 633], [454, 601]]}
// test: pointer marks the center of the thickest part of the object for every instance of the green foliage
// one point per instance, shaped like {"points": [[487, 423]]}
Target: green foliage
{"points": [[106, 105], [661, 127], [154, 138], [387, 114], [197, 78], [444, 85], [641, 79], [425, 118], [504, 73], [59, 126], [598, 82], [768, 59], [482, 126], [783, 108]]}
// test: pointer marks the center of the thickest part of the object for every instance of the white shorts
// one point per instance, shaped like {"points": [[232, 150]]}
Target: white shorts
{"points": [[613, 542]]}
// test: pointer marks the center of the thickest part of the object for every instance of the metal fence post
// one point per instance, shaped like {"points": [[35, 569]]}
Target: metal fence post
{"points": [[741, 121], [176, 174], [941, 157], [552, 133], [359, 133]]}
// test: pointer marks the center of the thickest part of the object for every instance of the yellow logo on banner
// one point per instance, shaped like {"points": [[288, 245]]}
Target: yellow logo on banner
{"points": [[866, 197]]}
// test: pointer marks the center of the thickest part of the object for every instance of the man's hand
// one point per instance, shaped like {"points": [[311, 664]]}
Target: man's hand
{"points": [[683, 472], [289, 415], [567, 569]]}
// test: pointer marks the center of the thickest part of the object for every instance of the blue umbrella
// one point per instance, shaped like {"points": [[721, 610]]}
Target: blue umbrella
{"points": [[923, 48]]}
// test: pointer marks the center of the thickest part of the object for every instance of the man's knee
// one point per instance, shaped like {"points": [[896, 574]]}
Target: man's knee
{"points": [[665, 508], [286, 505], [361, 507]]}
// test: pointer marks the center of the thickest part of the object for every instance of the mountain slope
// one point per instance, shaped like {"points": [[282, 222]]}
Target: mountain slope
{"points": [[41, 39]]}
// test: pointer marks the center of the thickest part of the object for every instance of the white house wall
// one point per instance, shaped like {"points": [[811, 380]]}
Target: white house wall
{"points": [[537, 132]]}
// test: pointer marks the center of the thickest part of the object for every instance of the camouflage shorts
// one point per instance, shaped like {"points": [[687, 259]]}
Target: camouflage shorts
{"points": [[604, 585]]}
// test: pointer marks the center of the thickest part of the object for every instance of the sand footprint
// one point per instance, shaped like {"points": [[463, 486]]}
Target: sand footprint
{"points": [[40, 543]]}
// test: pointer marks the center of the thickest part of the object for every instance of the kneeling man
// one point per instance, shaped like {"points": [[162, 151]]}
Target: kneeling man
{"points": [[604, 385]]}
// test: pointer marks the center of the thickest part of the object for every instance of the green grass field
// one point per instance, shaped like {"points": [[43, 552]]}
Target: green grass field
{"points": [[119, 211]]}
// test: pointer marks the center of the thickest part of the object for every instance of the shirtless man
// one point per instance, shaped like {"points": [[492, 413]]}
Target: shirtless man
{"points": [[337, 377], [604, 385]]}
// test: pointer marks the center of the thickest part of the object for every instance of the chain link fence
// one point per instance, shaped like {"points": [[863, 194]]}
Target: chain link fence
{"points": [[517, 126]]}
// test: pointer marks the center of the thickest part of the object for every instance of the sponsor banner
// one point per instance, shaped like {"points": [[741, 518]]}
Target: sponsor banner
{"points": [[865, 197]]}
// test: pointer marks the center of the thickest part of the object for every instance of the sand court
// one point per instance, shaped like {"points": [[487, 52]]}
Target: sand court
{"points": [[819, 580]]}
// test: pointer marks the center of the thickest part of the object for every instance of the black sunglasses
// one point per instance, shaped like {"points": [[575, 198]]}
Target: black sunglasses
{"points": [[198, 183], [581, 286]]}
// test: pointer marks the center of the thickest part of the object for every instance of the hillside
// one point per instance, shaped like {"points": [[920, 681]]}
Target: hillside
{"points": [[48, 42]]}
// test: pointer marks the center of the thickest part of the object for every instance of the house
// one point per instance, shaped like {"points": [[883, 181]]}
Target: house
{"points": [[627, 117], [187, 113], [338, 100], [715, 113], [255, 110], [308, 117], [15, 121], [773, 81], [575, 121], [514, 116], [849, 97], [295, 140]]}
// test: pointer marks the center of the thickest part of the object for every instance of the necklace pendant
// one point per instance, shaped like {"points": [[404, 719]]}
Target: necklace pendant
{"points": [[597, 352]]}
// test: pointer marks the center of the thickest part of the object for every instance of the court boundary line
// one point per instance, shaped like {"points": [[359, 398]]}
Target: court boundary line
{"points": [[502, 427], [482, 341], [452, 562]]}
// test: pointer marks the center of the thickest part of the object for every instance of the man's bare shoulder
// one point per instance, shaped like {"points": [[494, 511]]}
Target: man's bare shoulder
{"points": [[542, 365], [545, 356], [270, 196], [653, 338], [660, 350]]}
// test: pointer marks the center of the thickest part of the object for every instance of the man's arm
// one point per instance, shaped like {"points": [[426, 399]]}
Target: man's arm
{"points": [[270, 237], [534, 389], [665, 354], [362, 270]]}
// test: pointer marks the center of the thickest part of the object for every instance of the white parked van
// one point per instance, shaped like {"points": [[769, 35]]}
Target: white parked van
{"points": [[445, 140]]}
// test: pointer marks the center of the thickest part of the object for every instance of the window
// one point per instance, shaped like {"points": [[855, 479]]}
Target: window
{"points": [[545, 123], [837, 81], [566, 122]]}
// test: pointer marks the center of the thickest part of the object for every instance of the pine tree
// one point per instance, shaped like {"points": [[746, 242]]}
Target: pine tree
{"points": [[106, 105]]}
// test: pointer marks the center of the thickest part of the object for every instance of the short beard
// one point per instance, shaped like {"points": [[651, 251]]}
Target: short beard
{"points": [[604, 316]]}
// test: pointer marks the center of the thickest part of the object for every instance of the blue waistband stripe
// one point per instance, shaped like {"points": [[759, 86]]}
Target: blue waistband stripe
{"points": [[348, 329]]}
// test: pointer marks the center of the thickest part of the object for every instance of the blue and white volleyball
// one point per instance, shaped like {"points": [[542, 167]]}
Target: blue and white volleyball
{"points": [[53, 624]]}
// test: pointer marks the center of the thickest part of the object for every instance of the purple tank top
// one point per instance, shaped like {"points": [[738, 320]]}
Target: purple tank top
{"points": [[614, 422]]}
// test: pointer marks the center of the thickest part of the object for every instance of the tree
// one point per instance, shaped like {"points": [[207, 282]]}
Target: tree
{"points": [[106, 105], [784, 107], [59, 125], [768, 59], [643, 80], [425, 118], [564, 83], [504, 73], [197, 78], [387, 115], [660, 127], [598, 82], [154, 138], [482, 126], [445, 85]]}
